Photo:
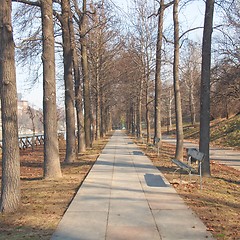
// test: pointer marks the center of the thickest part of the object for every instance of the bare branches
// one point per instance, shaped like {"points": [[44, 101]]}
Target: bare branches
{"points": [[189, 30], [32, 3]]}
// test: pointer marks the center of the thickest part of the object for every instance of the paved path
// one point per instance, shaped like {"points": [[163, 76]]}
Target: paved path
{"points": [[124, 197], [220, 155]]}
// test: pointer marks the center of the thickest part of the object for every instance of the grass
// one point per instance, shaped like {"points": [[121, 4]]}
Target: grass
{"points": [[43, 201], [223, 132], [217, 204]]}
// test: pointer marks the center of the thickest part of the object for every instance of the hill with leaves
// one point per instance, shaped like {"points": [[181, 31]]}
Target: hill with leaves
{"points": [[223, 132]]}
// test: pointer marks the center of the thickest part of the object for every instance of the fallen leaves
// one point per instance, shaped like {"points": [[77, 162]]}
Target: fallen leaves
{"points": [[217, 204], [45, 201]]}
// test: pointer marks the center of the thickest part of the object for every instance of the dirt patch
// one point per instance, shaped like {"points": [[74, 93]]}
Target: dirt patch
{"points": [[217, 204], [44, 202]]}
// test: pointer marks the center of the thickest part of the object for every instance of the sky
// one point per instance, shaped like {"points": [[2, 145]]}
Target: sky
{"points": [[34, 94], [193, 16]]}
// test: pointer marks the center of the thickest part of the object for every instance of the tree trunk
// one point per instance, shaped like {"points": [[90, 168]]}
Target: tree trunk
{"points": [[10, 191], [109, 121], [98, 114], [178, 107], [102, 125], [86, 79], [158, 84], [205, 87], [139, 115], [170, 110], [147, 115], [132, 112], [192, 102], [78, 93], [68, 82], [93, 128], [52, 167]]}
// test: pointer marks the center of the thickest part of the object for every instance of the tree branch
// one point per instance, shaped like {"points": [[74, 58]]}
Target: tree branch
{"points": [[32, 3], [189, 30]]}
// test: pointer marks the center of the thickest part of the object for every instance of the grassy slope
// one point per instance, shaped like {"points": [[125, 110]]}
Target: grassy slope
{"points": [[224, 132]]}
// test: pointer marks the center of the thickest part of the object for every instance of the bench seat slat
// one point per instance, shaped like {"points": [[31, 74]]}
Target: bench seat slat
{"points": [[192, 154], [183, 165]]}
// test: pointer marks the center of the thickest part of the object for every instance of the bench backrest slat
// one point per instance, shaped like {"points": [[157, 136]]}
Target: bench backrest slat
{"points": [[194, 153]]}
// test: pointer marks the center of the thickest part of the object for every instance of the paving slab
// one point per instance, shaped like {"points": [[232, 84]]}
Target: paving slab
{"points": [[125, 197]]}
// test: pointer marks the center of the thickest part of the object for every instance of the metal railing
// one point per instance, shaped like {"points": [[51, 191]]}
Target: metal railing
{"points": [[29, 141]]}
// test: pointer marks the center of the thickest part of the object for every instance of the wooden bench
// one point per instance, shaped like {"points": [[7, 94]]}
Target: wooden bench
{"points": [[194, 157]]}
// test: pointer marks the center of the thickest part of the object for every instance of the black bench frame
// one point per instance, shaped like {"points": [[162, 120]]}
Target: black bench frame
{"points": [[193, 156]]}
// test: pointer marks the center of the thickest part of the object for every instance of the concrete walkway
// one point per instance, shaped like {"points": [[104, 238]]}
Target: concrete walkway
{"points": [[124, 197], [220, 155]]}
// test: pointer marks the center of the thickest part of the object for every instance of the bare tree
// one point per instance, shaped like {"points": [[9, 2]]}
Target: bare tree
{"points": [[158, 83], [82, 23], [190, 78], [52, 167], [176, 81], [205, 87], [78, 90], [225, 80], [10, 191], [225, 89], [65, 20], [31, 113], [144, 37]]}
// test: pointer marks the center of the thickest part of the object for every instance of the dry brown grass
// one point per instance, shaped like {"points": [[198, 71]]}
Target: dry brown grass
{"points": [[217, 204], [44, 202]]}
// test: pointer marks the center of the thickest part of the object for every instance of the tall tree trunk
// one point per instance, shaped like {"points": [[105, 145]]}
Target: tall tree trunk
{"points": [[52, 167], [139, 114], [86, 79], [10, 191], [192, 106], [205, 87], [178, 107], [78, 93], [148, 121], [102, 125], [93, 128], [98, 114], [98, 117], [69, 86], [109, 121], [170, 111], [158, 84], [147, 112], [192, 109], [98, 107], [132, 112], [147, 71]]}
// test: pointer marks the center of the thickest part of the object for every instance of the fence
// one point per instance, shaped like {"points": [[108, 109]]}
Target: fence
{"points": [[28, 141]]}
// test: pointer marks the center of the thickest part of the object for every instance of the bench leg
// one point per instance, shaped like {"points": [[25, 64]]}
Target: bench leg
{"points": [[200, 175], [175, 172]]}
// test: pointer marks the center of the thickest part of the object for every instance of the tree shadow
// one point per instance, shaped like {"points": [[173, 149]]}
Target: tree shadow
{"points": [[31, 179], [31, 164], [228, 180]]}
